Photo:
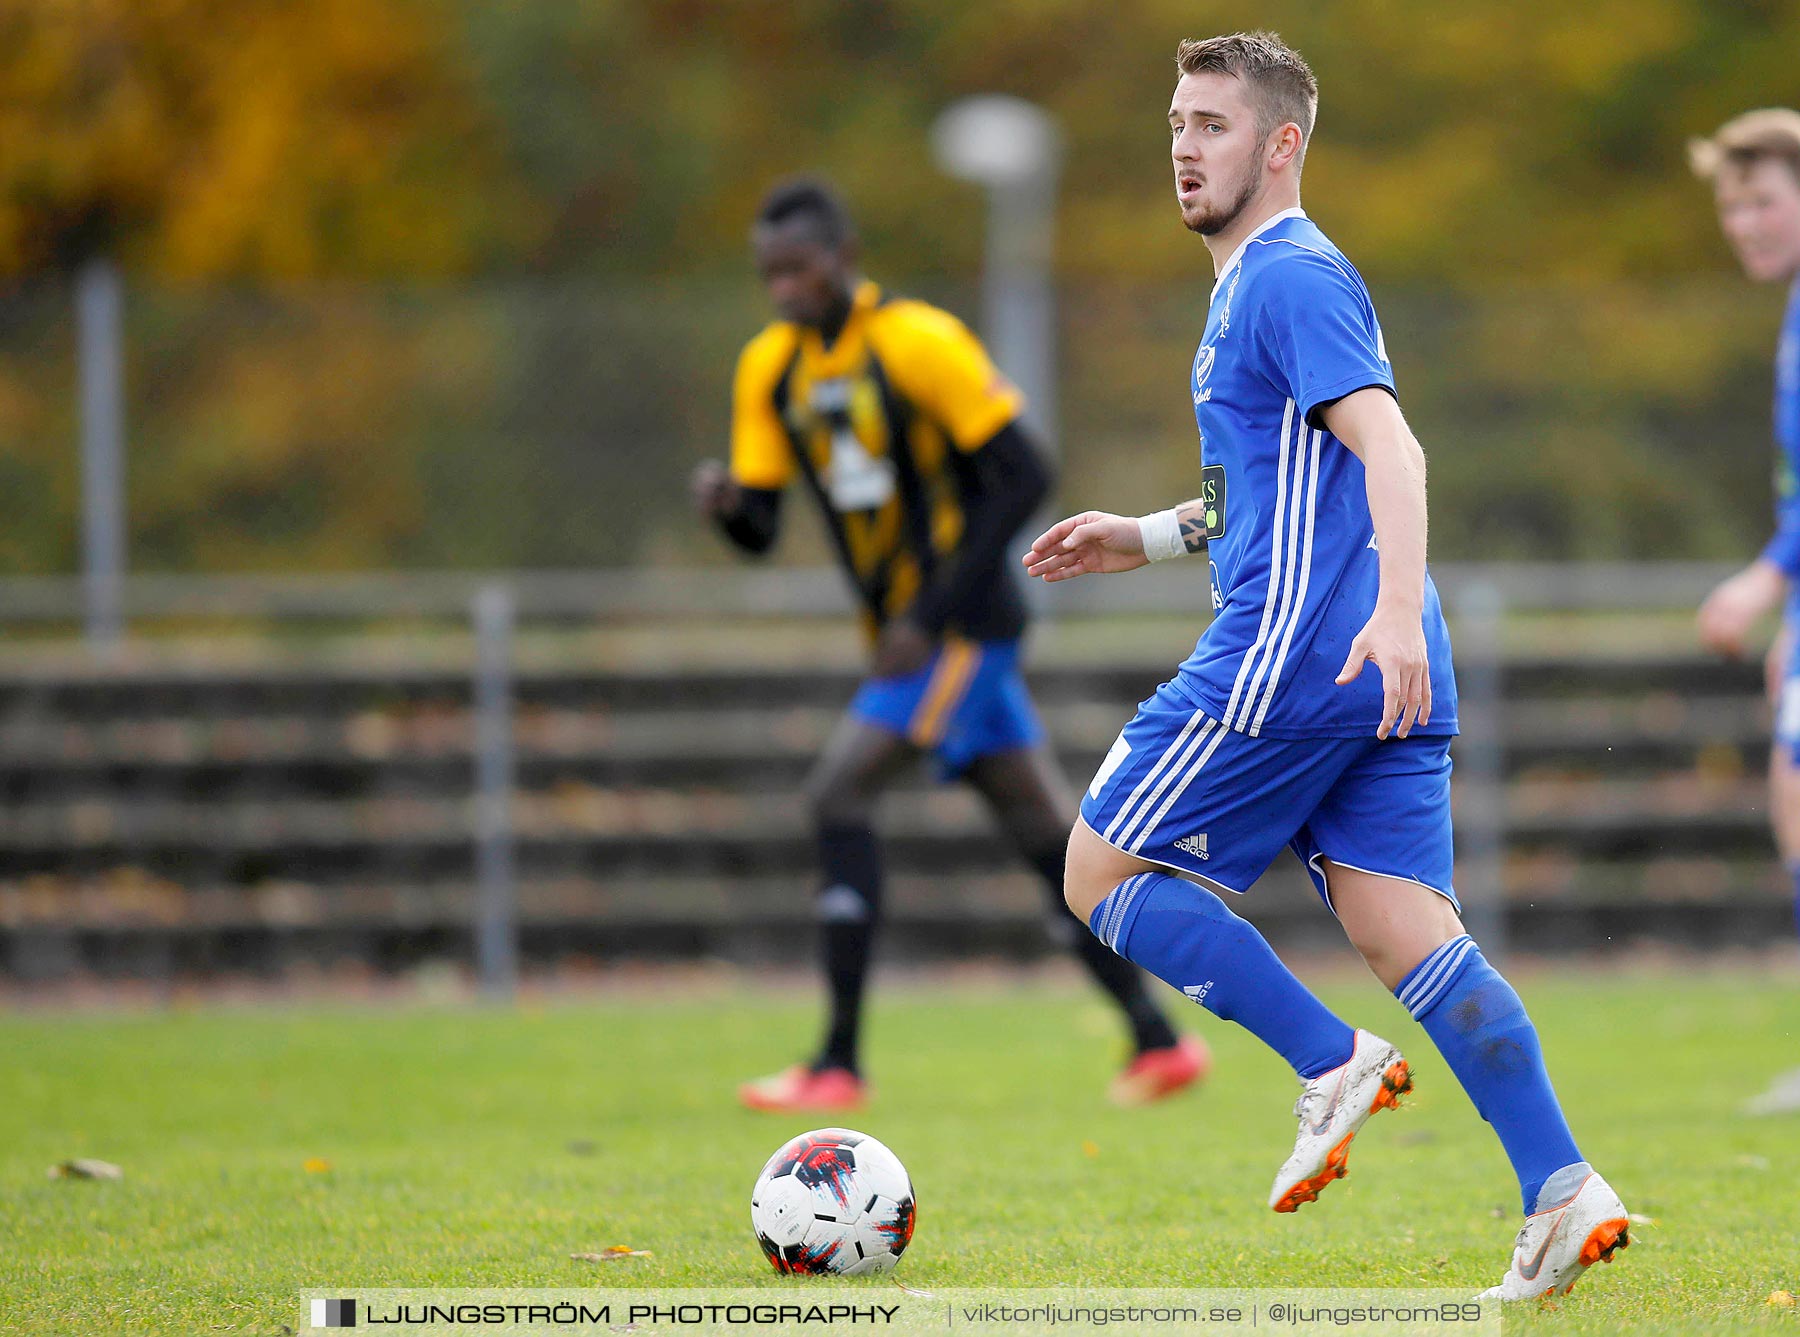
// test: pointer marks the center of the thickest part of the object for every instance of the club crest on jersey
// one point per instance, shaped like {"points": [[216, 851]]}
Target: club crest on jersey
{"points": [[1203, 365]]}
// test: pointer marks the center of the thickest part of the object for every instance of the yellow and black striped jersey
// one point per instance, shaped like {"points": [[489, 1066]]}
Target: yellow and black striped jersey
{"points": [[880, 424]]}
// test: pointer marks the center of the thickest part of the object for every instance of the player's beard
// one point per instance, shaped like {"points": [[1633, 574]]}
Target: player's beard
{"points": [[1214, 221]]}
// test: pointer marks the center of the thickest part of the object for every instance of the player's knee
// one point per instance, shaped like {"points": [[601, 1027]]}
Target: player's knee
{"points": [[1090, 872], [1384, 962], [1082, 898], [1392, 951], [837, 800]]}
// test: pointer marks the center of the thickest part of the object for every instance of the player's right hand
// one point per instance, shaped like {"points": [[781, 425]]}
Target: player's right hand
{"points": [[714, 491], [1092, 542], [1394, 640]]}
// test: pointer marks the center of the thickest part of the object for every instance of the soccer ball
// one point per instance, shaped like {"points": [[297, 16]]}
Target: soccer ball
{"points": [[833, 1201]]}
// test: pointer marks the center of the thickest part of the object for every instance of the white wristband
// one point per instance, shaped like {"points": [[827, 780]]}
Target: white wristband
{"points": [[1162, 535]]}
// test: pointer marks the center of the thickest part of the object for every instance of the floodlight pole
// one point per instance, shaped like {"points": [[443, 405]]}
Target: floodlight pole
{"points": [[1014, 148]]}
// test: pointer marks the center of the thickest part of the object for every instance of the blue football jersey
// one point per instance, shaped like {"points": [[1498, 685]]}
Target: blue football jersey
{"points": [[1784, 548], [1295, 569]]}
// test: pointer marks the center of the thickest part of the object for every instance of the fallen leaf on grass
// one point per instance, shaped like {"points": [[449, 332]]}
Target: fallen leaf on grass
{"points": [[84, 1168], [1782, 1299], [1414, 1137], [316, 1165], [1090, 1148], [617, 1253]]}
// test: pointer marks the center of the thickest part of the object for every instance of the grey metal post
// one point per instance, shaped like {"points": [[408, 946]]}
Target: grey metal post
{"points": [[1481, 767], [1018, 299], [99, 332], [1014, 148], [496, 921]]}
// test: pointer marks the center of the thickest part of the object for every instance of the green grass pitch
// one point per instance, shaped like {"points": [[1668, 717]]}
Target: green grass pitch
{"points": [[469, 1147]]}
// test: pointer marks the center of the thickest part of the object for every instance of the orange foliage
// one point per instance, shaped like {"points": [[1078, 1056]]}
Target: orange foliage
{"points": [[204, 138]]}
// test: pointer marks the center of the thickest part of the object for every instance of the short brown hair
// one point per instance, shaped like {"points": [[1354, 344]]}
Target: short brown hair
{"points": [[1280, 81], [1768, 134]]}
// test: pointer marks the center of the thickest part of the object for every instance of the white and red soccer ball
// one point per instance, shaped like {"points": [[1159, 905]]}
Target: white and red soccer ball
{"points": [[833, 1201]]}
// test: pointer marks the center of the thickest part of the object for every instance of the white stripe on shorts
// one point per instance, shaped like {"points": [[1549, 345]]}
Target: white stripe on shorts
{"points": [[1150, 776], [1212, 727], [1175, 793]]}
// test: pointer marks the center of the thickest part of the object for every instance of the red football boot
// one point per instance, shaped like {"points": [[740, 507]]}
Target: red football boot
{"points": [[1156, 1073], [799, 1089]]}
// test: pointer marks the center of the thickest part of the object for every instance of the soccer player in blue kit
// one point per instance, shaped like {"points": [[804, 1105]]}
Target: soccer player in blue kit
{"points": [[1753, 165], [1312, 511]]}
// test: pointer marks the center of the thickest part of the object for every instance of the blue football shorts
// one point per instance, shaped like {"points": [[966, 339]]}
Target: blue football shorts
{"points": [[1180, 789], [969, 702]]}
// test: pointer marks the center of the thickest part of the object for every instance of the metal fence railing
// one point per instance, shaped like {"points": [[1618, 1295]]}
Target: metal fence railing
{"points": [[676, 593]]}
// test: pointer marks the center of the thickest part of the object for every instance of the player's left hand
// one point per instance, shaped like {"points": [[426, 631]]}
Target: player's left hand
{"points": [[903, 647], [1395, 639]]}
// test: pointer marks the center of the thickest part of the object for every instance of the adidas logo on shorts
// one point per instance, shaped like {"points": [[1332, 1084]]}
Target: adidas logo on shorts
{"points": [[1194, 845]]}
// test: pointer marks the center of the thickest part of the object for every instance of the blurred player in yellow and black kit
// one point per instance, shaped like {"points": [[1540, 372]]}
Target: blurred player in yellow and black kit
{"points": [[894, 419]]}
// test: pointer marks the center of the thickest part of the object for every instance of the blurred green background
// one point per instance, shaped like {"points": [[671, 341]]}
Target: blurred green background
{"points": [[459, 284]]}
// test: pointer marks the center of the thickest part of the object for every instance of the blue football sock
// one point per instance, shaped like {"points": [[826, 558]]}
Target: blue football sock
{"points": [[1479, 1025], [1188, 937]]}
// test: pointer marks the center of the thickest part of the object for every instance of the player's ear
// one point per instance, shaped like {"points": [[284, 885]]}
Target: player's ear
{"points": [[1284, 147]]}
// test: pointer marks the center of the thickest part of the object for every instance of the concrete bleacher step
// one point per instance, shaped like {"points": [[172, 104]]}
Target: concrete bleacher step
{"points": [[430, 751], [748, 921], [660, 811], [576, 828]]}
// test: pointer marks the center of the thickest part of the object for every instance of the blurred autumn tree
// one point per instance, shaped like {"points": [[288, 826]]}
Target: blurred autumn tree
{"points": [[517, 232], [200, 142], [208, 139]]}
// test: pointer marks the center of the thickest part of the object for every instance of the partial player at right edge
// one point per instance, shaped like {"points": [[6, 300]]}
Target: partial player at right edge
{"points": [[1753, 163], [1313, 513]]}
